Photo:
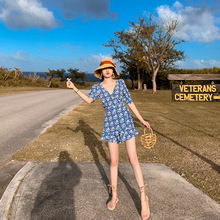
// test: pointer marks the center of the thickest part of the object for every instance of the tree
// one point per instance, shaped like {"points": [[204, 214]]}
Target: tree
{"points": [[18, 73], [158, 40], [126, 51], [76, 74], [150, 43], [60, 74], [5, 73], [52, 73], [131, 70], [50, 76]]}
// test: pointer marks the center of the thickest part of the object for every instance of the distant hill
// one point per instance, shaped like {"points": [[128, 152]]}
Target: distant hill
{"points": [[43, 75]]}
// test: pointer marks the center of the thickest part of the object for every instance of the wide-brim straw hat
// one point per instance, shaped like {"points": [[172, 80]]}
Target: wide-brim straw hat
{"points": [[104, 64]]}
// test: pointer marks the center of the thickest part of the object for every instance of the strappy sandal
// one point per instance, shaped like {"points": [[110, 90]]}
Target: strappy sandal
{"points": [[112, 188], [145, 215]]}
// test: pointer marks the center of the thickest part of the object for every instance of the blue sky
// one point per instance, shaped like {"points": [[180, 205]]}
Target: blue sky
{"points": [[39, 34]]}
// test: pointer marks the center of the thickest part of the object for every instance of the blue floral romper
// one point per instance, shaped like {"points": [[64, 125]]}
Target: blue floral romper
{"points": [[118, 124]]}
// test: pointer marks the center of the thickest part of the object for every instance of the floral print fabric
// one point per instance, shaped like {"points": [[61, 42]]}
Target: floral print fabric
{"points": [[118, 124]]}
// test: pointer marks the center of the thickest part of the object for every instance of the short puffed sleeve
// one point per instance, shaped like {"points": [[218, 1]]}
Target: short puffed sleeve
{"points": [[126, 94], [94, 92]]}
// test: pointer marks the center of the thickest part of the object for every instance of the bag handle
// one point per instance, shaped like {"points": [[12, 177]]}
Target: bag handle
{"points": [[150, 130]]}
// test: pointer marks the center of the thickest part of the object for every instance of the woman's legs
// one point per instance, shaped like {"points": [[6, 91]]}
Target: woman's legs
{"points": [[113, 152], [132, 154]]}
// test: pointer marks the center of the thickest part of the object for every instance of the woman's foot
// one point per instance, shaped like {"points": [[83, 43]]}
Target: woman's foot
{"points": [[112, 204], [145, 210], [114, 200]]}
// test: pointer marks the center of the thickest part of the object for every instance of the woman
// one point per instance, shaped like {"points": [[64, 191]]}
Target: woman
{"points": [[118, 126]]}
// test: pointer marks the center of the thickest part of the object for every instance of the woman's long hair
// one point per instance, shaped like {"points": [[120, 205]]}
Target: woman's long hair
{"points": [[102, 79]]}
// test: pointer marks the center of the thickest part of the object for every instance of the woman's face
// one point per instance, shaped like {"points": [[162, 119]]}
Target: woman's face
{"points": [[107, 72]]}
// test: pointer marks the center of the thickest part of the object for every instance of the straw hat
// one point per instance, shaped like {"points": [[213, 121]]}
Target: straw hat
{"points": [[104, 64]]}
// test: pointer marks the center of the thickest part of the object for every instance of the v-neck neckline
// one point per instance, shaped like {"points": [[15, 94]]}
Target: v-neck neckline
{"points": [[107, 90]]}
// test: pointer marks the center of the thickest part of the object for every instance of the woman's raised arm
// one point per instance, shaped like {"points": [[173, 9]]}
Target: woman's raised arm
{"points": [[70, 85]]}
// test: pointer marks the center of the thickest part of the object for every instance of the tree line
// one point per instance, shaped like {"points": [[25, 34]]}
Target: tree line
{"points": [[15, 77], [75, 74], [56, 78]]}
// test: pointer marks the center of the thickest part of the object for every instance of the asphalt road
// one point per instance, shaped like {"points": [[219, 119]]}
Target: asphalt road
{"points": [[26, 115]]}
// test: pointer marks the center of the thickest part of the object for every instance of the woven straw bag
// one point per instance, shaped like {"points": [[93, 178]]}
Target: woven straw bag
{"points": [[148, 140]]}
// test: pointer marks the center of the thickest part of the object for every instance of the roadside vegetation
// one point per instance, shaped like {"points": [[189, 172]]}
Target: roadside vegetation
{"points": [[56, 78], [14, 81]]}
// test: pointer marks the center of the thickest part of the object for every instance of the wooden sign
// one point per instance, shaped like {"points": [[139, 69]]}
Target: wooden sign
{"points": [[196, 93]]}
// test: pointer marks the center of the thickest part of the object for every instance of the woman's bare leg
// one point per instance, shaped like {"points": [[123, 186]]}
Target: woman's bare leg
{"points": [[113, 152], [132, 154]]}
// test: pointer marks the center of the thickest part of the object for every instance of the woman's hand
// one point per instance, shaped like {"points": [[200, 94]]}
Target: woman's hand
{"points": [[146, 124], [69, 84]]}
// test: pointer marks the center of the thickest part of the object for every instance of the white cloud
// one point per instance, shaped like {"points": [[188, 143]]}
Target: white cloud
{"points": [[97, 59], [100, 57], [198, 24], [19, 56], [198, 64], [22, 14], [178, 5]]}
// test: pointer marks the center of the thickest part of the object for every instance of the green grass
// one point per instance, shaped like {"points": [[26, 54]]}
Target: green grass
{"points": [[187, 138]]}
